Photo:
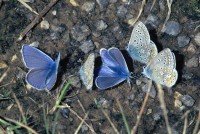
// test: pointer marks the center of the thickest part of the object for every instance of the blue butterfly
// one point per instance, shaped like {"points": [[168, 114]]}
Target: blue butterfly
{"points": [[43, 70], [160, 67], [114, 69]]}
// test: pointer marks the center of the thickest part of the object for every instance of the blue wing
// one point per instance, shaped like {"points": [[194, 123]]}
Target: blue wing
{"points": [[44, 78], [37, 78], [108, 78], [114, 59], [119, 58], [34, 58]]}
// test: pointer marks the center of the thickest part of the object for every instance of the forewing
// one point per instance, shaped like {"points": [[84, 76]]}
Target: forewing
{"points": [[116, 54], [108, 78], [87, 71], [34, 58], [107, 60], [37, 78], [140, 47], [165, 58]]}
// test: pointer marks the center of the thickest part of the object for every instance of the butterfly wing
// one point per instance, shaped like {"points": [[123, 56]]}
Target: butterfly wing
{"points": [[114, 59], [87, 71], [108, 78], [167, 76], [116, 54], [34, 58], [37, 78], [164, 58], [162, 68], [140, 47]]}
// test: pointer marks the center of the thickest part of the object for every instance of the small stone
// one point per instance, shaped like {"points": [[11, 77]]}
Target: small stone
{"points": [[87, 46], [44, 24], [103, 3], [54, 12], [88, 6], [177, 103], [152, 92], [35, 44], [172, 28], [61, 28], [187, 100], [183, 40], [131, 97], [187, 76], [80, 32], [101, 25], [117, 31], [113, 1], [138, 82], [65, 112], [55, 36], [121, 11], [152, 20], [191, 49], [104, 103], [197, 39], [84, 128], [193, 62]]}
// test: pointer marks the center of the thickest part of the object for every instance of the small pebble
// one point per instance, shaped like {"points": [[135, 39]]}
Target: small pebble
{"points": [[131, 97], [183, 40], [193, 62], [104, 103], [87, 46], [138, 82], [197, 39], [54, 12], [55, 36], [44, 24], [35, 44], [101, 25], [172, 28], [84, 128], [152, 20], [65, 112], [152, 92], [113, 1], [191, 49], [88, 6], [103, 3], [80, 32], [121, 11], [187, 100]]}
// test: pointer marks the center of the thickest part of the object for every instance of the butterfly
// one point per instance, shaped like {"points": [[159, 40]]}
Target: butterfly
{"points": [[160, 67], [114, 69], [87, 71], [43, 70]]}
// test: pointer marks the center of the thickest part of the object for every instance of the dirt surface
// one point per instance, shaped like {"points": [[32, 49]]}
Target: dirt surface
{"points": [[75, 31]]}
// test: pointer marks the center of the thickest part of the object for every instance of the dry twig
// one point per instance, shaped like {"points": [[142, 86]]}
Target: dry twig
{"points": [[37, 19], [140, 12], [169, 4], [79, 127], [133, 131], [163, 106], [111, 123]]}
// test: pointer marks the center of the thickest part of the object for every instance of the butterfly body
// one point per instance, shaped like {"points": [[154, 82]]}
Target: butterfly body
{"points": [[42, 69]]}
